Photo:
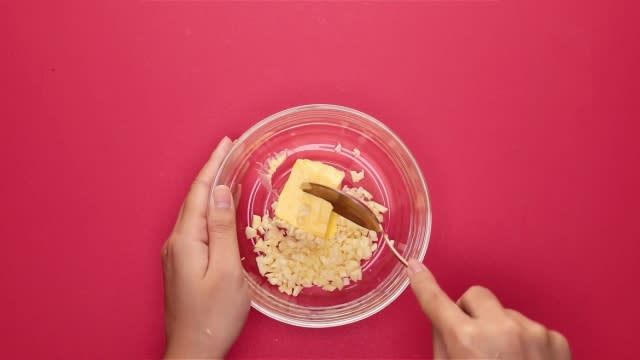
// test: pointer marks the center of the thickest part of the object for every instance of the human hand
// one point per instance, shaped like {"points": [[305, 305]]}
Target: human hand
{"points": [[206, 296], [478, 327]]}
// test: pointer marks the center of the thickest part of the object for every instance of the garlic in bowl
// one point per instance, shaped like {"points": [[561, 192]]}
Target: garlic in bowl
{"points": [[305, 265], [303, 243]]}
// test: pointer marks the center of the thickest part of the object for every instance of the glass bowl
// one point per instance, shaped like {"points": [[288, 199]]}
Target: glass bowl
{"points": [[391, 175]]}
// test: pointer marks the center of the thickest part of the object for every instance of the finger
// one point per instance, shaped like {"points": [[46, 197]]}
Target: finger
{"points": [[433, 300], [535, 335], [479, 302], [221, 224], [195, 204], [439, 348], [559, 346]]}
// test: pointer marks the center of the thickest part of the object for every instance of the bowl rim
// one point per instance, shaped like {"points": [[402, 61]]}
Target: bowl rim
{"points": [[423, 251]]}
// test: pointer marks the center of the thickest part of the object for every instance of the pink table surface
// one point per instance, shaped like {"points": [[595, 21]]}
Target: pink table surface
{"points": [[522, 115]]}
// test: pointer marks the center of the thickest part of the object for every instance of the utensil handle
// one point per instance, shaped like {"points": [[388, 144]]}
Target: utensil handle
{"points": [[395, 252]]}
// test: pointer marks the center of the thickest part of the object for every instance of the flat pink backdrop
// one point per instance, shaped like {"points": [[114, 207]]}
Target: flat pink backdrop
{"points": [[523, 116]]}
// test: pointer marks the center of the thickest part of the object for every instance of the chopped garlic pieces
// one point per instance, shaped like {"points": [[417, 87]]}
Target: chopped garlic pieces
{"points": [[250, 232], [293, 254], [275, 161], [358, 192], [356, 176], [255, 221], [292, 259], [377, 207]]}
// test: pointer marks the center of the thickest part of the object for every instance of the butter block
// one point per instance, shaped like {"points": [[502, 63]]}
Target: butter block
{"points": [[305, 211]]}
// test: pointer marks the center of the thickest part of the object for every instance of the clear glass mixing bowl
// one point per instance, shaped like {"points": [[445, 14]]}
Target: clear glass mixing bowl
{"points": [[391, 175]]}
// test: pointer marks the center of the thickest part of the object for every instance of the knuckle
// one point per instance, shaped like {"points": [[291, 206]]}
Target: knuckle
{"points": [[476, 291], [420, 279], [173, 248], [222, 221], [170, 247], [200, 183], [537, 332], [509, 331], [509, 327], [169, 244], [559, 339], [228, 274], [221, 228], [421, 285], [164, 251], [463, 333]]}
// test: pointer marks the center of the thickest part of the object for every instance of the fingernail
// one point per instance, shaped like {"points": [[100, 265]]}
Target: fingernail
{"points": [[415, 266], [222, 197], [225, 140]]}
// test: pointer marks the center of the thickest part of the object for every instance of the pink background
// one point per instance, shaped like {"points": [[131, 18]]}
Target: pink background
{"points": [[523, 116]]}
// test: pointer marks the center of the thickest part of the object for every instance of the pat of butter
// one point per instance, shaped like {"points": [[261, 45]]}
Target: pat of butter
{"points": [[303, 210]]}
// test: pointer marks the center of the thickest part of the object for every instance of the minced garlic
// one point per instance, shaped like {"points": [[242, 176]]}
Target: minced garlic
{"points": [[293, 259], [356, 176]]}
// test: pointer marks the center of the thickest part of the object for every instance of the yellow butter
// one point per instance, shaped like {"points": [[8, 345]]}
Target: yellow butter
{"points": [[332, 226], [305, 211]]}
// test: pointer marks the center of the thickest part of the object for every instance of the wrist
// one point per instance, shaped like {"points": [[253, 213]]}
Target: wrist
{"points": [[191, 347]]}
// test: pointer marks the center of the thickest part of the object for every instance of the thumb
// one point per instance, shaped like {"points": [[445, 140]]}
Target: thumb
{"points": [[221, 225], [433, 300]]}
